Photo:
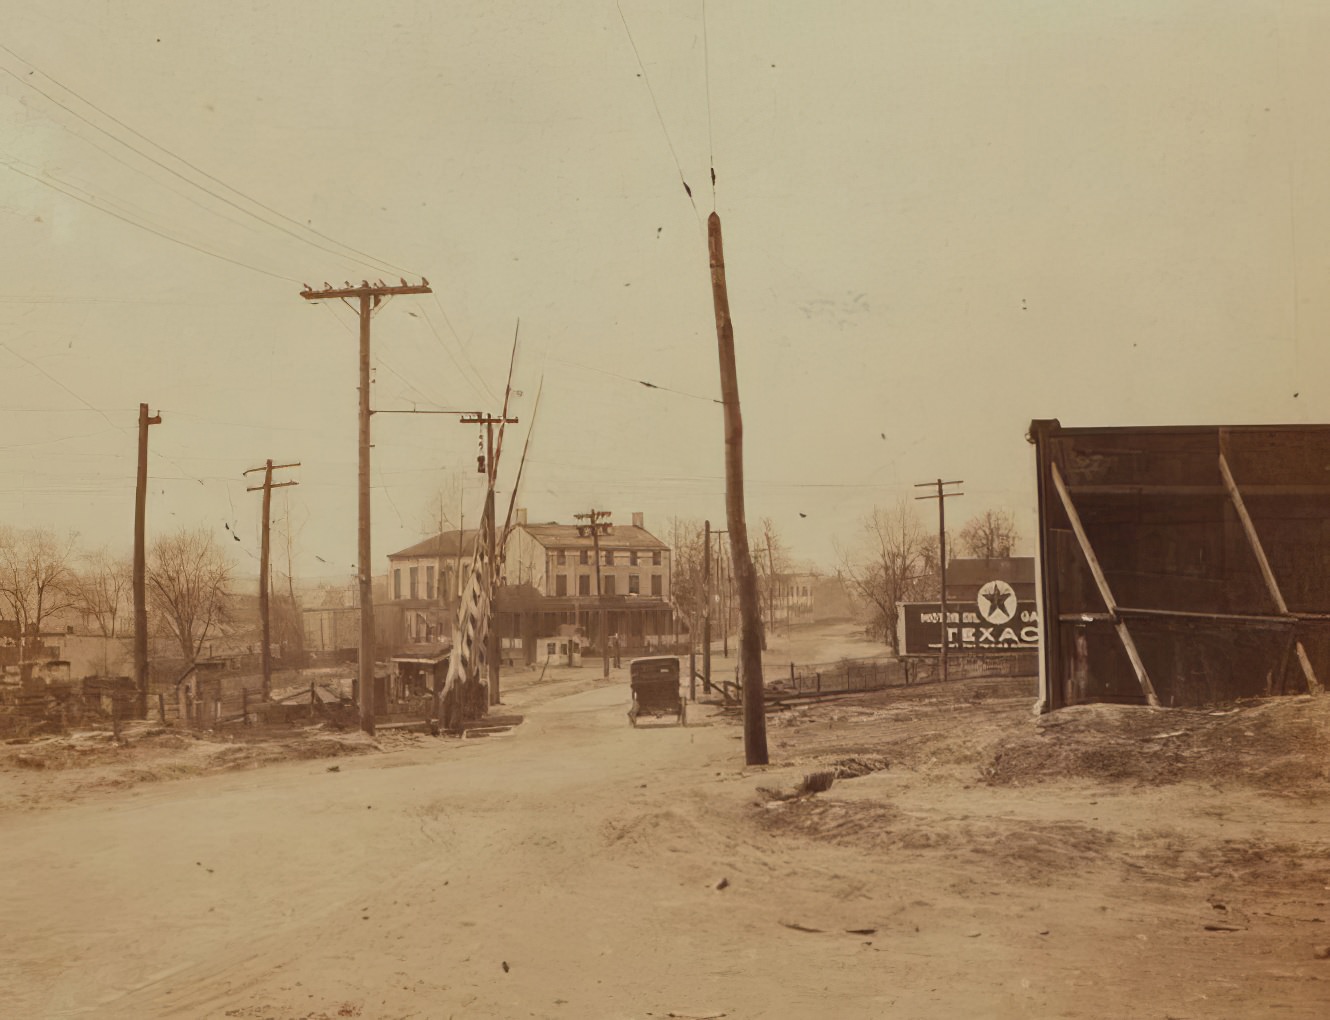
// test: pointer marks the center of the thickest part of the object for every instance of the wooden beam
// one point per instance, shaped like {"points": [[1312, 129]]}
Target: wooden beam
{"points": [[1236, 619], [1268, 574], [1129, 489], [1087, 550]]}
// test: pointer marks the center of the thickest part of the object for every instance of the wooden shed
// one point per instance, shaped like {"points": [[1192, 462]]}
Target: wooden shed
{"points": [[1182, 565]]}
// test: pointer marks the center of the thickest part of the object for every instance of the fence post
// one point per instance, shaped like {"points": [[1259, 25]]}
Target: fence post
{"points": [[244, 706], [312, 700], [161, 707], [819, 681]]}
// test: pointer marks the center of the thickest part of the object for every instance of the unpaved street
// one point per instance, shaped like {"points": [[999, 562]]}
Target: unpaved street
{"points": [[569, 869]]}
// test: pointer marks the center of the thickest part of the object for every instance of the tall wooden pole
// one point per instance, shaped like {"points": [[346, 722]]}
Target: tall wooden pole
{"points": [[369, 297], [265, 561], [492, 633], [941, 498], [594, 516], [140, 559], [750, 632], [706, 618], [265, 653]]}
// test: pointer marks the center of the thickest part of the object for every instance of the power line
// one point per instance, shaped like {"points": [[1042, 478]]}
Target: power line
{"points": [[461, 349], [171, 170], [706, 67], [640, 382], [659, 116], [50, 183]]}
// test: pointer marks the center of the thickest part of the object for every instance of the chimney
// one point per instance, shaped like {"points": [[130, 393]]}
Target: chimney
{"points": [[637, 520], [521, 515]]}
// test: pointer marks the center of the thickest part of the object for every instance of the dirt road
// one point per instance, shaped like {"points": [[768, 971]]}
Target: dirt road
{"points": [[570, 869]]}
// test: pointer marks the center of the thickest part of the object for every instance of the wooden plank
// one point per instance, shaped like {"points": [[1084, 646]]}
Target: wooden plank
{"points": [[1267, 574], [1156, 489], [1124, 635], [1237, 619]]}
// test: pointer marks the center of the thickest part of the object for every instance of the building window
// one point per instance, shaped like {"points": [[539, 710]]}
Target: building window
{"points": [[561, 557], [584, 557], [415, 582], [429, 581], [608, 582], [655, 558], [609, 557], [634, 584], [657, 585], [584, 585], [632, 558], [561, 584], [397, 583]]}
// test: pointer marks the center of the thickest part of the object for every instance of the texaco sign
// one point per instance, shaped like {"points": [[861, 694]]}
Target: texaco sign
{"points": [[997, 620]]}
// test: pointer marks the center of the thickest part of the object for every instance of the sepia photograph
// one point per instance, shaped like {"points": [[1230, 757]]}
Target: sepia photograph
{"points": [[665, 510]]}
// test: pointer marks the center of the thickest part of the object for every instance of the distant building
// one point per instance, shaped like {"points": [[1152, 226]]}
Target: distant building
{"points": [[547, 579]]}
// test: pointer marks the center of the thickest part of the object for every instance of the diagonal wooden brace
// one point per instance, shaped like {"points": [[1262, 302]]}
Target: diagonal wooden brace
{"points": [[1101, 582]]}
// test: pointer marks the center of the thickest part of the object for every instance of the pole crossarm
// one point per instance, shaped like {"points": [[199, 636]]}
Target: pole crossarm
{"points": [[366, 289]]}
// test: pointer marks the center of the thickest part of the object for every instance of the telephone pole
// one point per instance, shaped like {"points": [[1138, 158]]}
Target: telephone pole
{"points": [[264, 615], [941, 498], [486, 467], [141, 560], [724, 585], [706, 621], [594, 517], [750, 634], [368, 297]]}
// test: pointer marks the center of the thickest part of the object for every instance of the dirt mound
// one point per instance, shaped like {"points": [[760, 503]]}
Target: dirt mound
{"points": [[1279, 744], [1014, 849], [669, 829]]}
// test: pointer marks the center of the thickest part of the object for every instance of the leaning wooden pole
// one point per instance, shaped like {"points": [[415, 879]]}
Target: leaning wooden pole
{"points": [[750, 630]]}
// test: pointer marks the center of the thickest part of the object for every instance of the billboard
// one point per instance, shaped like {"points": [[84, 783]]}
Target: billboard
{"points": [[995, 621]]}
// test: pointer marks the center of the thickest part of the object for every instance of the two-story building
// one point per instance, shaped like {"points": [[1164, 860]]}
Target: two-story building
{"points": [[547, 583]]}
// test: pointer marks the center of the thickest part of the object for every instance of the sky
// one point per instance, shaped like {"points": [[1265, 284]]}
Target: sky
{"points": [[942, 220]]}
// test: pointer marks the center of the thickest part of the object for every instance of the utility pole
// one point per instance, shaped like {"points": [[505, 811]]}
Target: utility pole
{"points": [[264, 614], [368, 297], [941, 498], [750, 635], [141, 560], [488, 469], [706, 621], [593, 519], [725, 597]]}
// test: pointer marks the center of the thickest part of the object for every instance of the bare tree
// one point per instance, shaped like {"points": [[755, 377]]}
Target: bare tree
{"points": [[443, 510], [687, 539], [36, 580], [896, 561], [188, 579], [991, 535], [102, 591], [772, 561]]}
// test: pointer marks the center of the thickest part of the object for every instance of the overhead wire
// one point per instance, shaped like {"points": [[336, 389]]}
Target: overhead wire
{"points": [[706, 70], [640, 382], [659, 116], [363, 258], [50, 183], [477, 379]]}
